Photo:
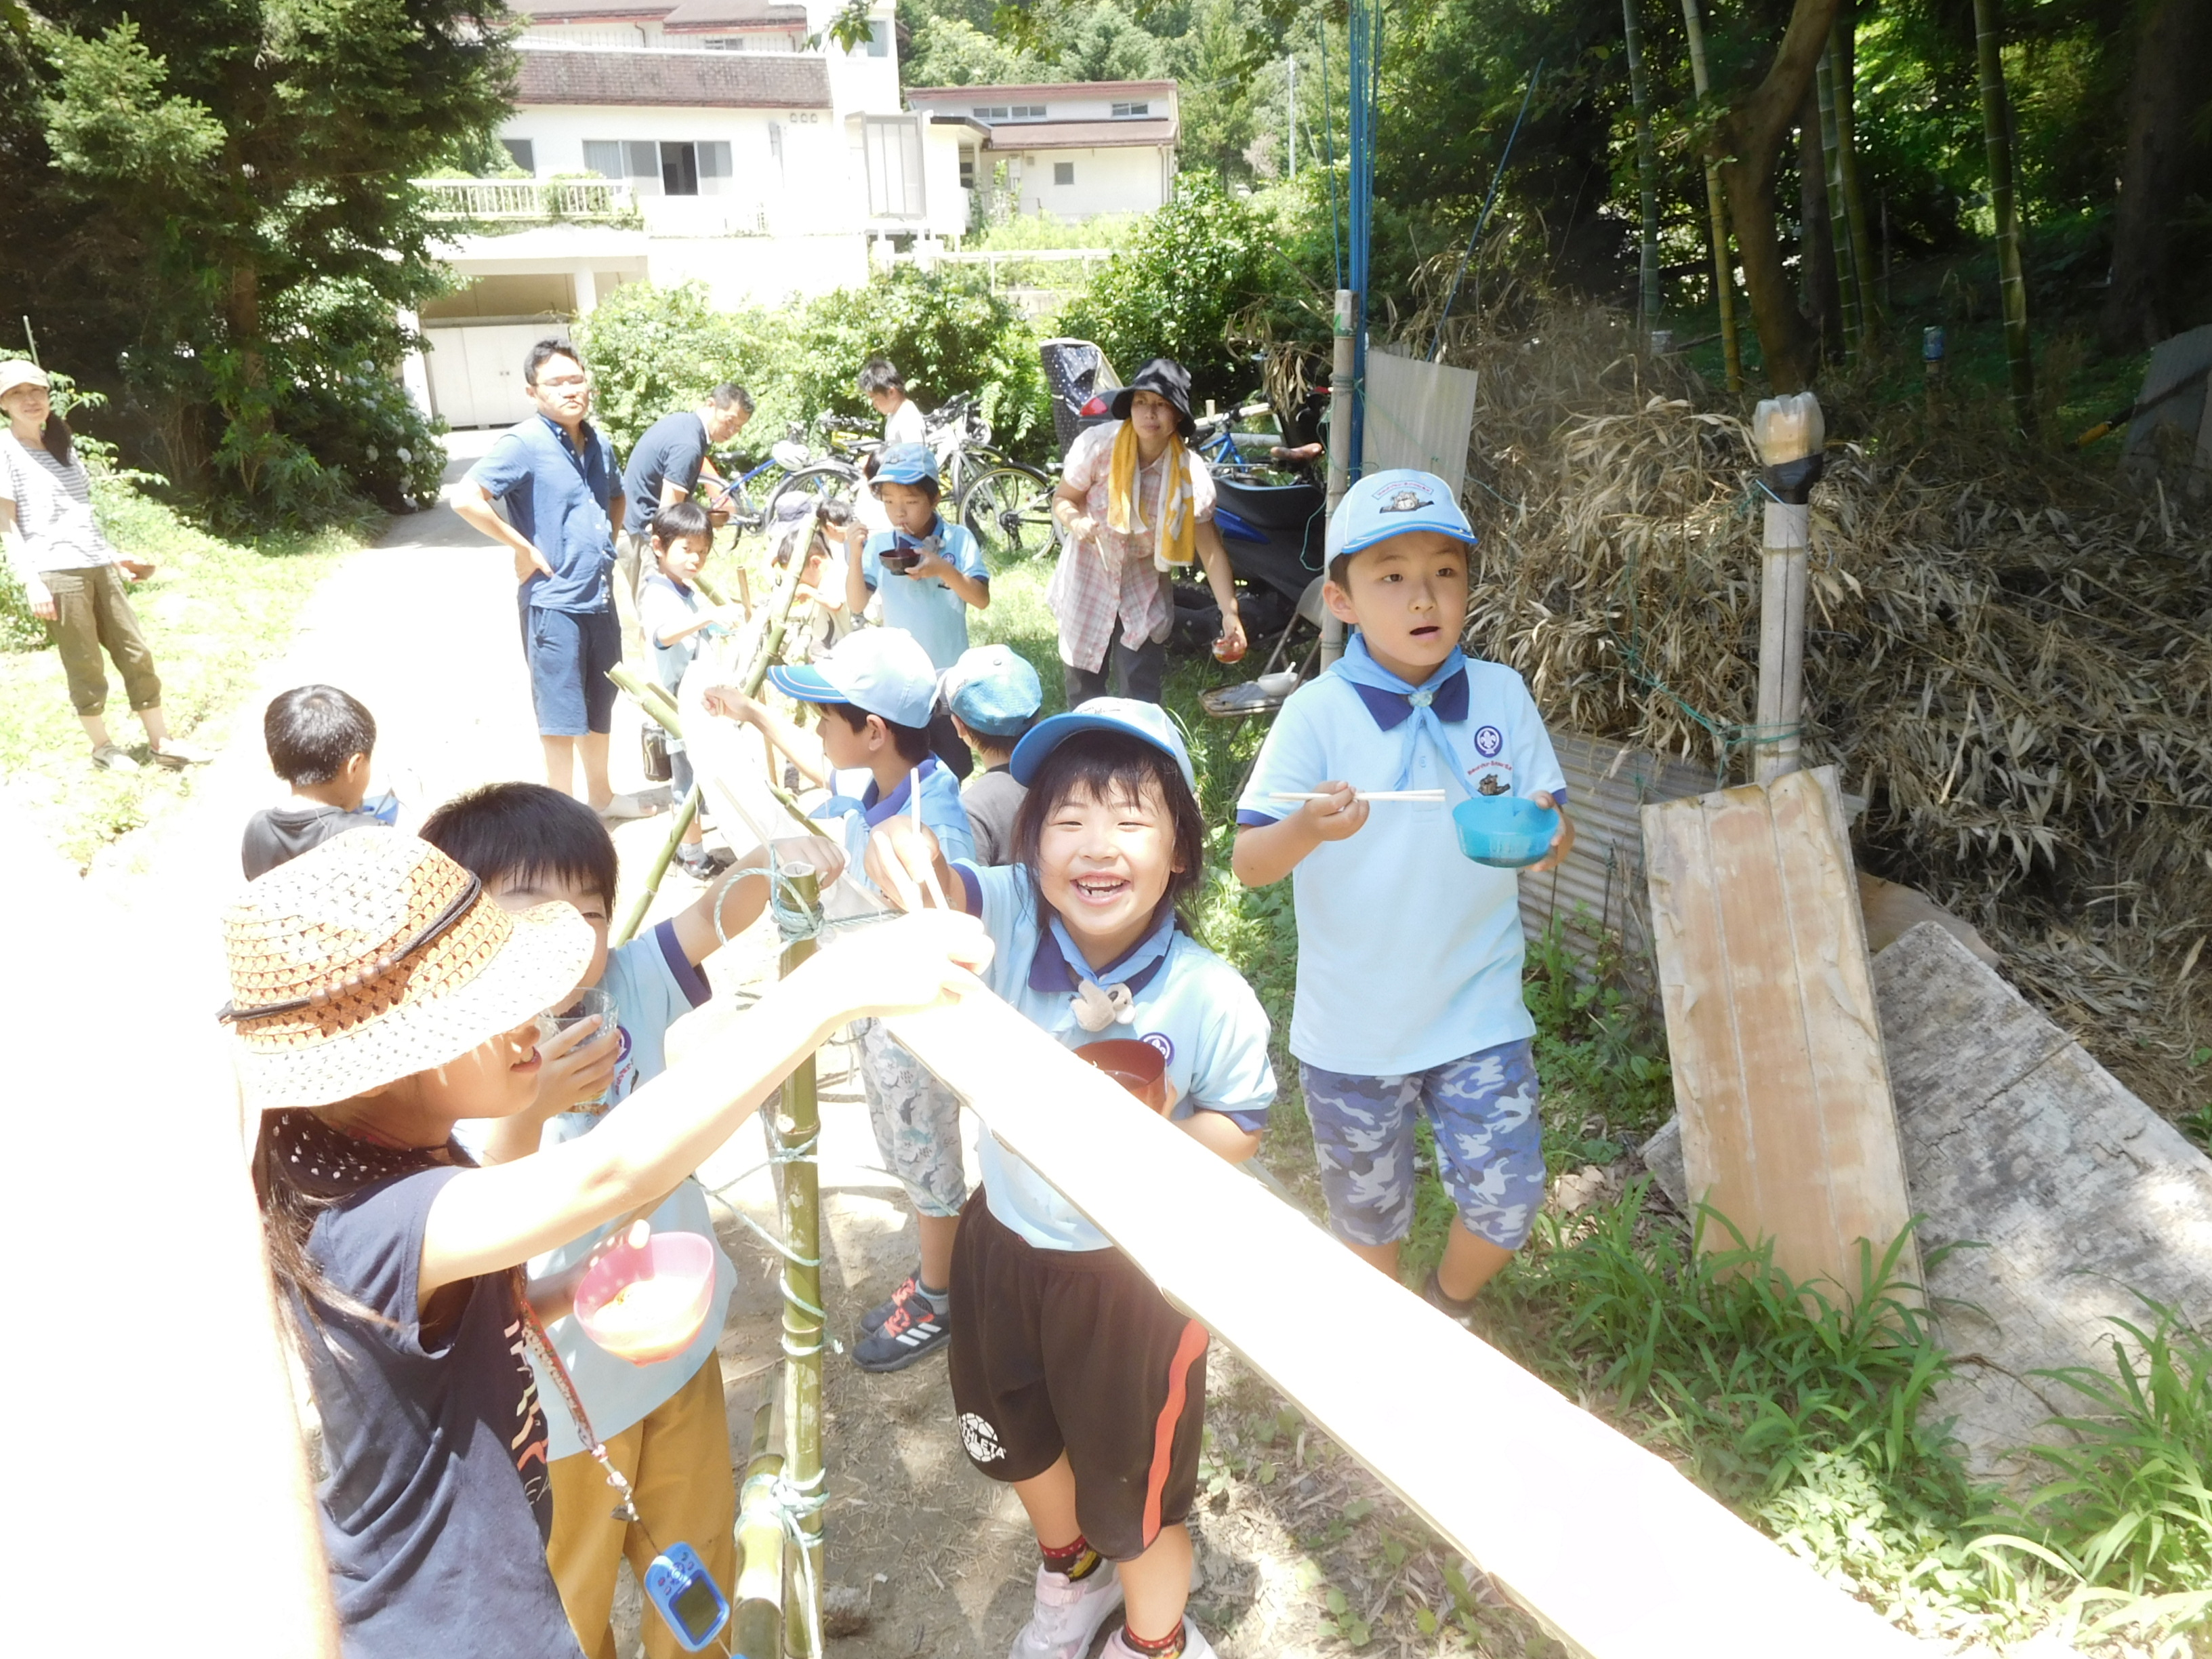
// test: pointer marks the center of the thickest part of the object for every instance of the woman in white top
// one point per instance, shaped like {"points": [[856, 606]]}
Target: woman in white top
{"points": [[70, 573]]}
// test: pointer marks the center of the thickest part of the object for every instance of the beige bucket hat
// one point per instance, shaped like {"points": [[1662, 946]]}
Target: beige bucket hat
{"points": [[374, 956], [21, 371]]}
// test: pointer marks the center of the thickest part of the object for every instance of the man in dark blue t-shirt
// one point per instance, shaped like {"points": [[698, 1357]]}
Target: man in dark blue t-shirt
{"points": [[555, 477], [666, 465]]}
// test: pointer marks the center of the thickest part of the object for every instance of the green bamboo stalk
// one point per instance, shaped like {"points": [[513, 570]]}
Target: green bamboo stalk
{"points": [[1717, 209], [1840, 225], [1647, 169], [656, 870], [659, 706], [1843, 37], [1996, 140], [800, 1124], [757, 1621]]}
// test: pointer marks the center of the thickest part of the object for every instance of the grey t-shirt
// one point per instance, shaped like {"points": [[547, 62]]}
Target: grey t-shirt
{"points": [[992, 800]]}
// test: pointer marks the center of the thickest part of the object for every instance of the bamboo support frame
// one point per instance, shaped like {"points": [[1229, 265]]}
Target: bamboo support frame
{"points": [[800, 1124], [1717, 211], [756, 1619]]}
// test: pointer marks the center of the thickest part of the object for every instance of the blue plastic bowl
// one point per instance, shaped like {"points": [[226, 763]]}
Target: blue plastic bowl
{"points": [[1508, 832]]}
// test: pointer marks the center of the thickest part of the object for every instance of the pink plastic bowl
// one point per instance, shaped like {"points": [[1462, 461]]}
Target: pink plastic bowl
{"points": [[656, 1324]]}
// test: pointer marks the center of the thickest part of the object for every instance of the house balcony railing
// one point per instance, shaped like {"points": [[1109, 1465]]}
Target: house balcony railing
{"points": [[588, 201]]}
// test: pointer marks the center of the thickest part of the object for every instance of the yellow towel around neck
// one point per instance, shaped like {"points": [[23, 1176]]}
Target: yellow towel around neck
{"points": [[1175, 536]]}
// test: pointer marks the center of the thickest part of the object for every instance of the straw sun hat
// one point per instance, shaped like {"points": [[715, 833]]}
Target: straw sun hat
{"points": [[374, 956]]}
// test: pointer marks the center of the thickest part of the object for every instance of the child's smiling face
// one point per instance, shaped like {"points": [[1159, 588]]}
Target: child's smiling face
{"points": [[1409, 597], [1104, 863]]}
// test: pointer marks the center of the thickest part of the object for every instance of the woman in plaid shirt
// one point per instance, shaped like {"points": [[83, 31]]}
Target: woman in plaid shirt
{"points": [[1111, 590]]}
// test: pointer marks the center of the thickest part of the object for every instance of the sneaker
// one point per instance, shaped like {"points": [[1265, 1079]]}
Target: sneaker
{"points": [[914, 1330], [1194, 1645], [1432, 1292], [110, 758], [697, 861], [873, 1319], [178, 756], [1068, 1613], [624, 806]]}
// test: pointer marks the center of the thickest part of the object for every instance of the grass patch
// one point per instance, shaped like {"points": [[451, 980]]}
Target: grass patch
{"points": [[213, 611]]}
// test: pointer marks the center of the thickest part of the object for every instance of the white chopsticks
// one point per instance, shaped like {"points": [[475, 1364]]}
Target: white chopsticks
{"points": [[1429, 797]]}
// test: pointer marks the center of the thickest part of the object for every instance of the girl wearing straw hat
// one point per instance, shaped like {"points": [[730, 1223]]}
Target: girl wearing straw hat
{"points": [[378, 995], [73, 578]]}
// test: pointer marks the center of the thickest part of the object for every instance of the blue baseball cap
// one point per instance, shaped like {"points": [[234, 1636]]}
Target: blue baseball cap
{"points": [[906, 464], [994, 690], [1147, 721], [879, 670], [1389, 503]]}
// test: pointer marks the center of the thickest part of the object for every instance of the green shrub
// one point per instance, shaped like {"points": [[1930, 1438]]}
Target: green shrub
{"points": [[654, 349], [1175, 289]]}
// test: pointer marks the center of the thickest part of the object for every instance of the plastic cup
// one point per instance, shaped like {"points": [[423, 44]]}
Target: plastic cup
{"points": [[1136, 1067], [647, 1304], [1507, 832], [591, 1002], [1228, 651]]}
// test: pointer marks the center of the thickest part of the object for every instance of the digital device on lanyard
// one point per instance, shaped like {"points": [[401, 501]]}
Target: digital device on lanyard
{"points": [[690, 1602]]}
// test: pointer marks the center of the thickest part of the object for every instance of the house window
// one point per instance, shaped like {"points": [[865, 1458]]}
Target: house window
{"points": [[1123, 112], [879, 40], [679, 169], [638, 163], [522, 153], [893, 148], [989, 112], [1063, 172], [1026, 112], [967, 169]]}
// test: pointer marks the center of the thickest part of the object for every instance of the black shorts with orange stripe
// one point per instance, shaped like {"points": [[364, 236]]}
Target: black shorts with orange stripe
{"points": [[1071, 1351]]}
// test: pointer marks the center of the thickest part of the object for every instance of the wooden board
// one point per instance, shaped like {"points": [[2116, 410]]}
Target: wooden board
{"points": [[1616, 1554], [1788, 1128]]}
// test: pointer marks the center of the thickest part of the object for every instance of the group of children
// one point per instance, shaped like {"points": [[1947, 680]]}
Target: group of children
{"points": [[436, 1171]]}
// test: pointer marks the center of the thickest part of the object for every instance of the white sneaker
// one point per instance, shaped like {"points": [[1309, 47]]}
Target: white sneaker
{"points": [[624, 807], [1194, 1645], [1068, 1613]]}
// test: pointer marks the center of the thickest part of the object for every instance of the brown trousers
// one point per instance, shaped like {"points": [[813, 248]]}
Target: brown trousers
{"points": [[95, 614]]}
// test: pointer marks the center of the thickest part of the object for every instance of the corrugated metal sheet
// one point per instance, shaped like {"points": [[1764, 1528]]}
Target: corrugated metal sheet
{"points": [[1599, 892]]}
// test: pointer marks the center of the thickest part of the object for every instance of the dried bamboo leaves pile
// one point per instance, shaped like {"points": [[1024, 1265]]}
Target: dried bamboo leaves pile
{"points": [[2008, 659]]}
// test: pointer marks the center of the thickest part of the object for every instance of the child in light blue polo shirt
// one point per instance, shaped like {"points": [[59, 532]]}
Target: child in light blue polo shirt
{"points": [[875, 690], [928, 571], [1074, 1379], [1409, 953]]}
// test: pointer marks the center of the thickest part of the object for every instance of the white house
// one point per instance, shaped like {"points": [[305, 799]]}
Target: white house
{"points": [[1073, 150], [667, 140]]}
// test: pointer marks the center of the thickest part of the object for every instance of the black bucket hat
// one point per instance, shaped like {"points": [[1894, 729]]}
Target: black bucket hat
{"points": [[1170, 380]]}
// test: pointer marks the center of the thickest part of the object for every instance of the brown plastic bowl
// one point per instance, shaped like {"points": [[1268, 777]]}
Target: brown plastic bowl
{"points": [[1136, 1067]]}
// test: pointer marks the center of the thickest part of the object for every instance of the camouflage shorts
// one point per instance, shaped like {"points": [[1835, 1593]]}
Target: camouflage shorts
{"points": [[917, 1122], [1490, 1145]]}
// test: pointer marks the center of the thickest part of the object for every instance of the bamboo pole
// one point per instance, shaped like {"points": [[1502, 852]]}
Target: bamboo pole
{"points": [[1340, 458], [757, 1621], [1647, 170], [1716, 208], [800, 1125], [656, 870], [1790, 433], [1997, 141], [1839, 224], [659, 706], [1843, 46]]}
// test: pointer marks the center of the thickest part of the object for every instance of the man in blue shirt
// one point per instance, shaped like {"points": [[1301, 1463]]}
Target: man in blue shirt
{"points": [[548, 491]]}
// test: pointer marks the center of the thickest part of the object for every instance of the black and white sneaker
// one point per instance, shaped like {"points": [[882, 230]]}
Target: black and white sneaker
{"points": [[872, 1321], [914, 1330]]}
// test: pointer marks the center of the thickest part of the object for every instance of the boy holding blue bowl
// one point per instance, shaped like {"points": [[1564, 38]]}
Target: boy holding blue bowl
{"points": [[1409, 951]]}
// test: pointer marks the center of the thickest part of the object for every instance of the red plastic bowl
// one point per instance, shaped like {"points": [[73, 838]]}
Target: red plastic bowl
{"points": [[1136, 1067], [648, 1325]]}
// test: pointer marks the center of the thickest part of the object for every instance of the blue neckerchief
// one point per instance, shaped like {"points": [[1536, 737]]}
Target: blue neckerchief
{"points": [[1059, 966], [1442, 696], [877, 806]]}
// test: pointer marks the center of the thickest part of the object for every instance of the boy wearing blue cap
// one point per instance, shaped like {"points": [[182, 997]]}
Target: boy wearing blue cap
{"points": [[1409, 953], [993, 696], [875, 690], [1076, 1381], [930, 572]]}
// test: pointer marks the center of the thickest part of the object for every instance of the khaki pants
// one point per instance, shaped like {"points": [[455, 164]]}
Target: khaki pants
{"points": [[94, 614], [678, 1461]]}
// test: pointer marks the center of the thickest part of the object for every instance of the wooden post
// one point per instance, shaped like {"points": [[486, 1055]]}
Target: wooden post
{"points": [[798, 1124], [757, 1621], [1790, 432]]}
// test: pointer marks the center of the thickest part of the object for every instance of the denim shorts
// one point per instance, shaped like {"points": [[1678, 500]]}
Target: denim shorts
{"points": [[1490, 1145], [569, 653]]}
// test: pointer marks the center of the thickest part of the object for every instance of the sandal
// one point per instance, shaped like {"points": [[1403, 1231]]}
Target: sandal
{"points": [[110, 758], [178, 756]]}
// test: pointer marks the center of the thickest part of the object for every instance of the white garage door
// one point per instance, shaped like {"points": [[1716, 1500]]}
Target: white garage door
{"points": [[475, 373]]}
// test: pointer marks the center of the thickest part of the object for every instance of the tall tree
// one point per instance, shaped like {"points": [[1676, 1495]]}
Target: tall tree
{"points": [[2166, 142], [1716, 207], [2004, 206]]}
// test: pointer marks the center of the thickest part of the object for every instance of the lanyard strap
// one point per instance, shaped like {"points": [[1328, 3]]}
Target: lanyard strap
{"points": [[541, 1347]]}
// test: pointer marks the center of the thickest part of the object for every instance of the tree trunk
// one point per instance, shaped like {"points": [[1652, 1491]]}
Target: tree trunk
{"points": [[1843, 38], [1747, 144], [1715, 209], [1839, 224], [2172, 53], [1647, 170], [1996, 138], [1816, 248]]}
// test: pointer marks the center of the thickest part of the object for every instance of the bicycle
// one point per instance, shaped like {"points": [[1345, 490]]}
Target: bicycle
{"points": [[729, 494]]}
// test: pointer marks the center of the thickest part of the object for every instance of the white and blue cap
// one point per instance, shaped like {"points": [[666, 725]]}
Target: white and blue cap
{"points": [[879, 670], [906, 464], [1146, 720], [1389, 503], [993, 690]]}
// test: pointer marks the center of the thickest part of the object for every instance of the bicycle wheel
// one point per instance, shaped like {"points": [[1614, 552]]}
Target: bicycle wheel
{"points": [[825, 481], [1008, 510]]}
